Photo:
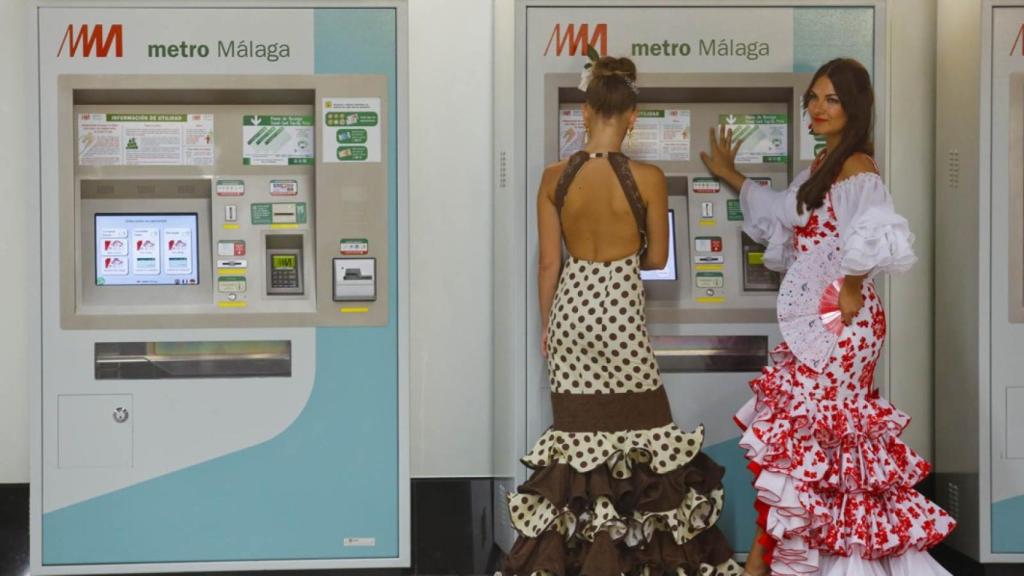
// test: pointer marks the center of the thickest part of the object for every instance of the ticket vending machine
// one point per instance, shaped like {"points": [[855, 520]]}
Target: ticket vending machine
{"points": [[711, 311], [223, 364], [979, 280]]}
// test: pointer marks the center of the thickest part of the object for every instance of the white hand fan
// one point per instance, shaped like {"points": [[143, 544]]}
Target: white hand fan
{"points": [[808, 308]]}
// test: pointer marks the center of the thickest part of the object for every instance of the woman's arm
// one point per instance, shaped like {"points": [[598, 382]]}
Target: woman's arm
{"points": [[655, 192], [549, 233]]}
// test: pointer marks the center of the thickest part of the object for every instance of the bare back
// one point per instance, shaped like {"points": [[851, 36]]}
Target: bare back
{"points": [[597, 220]]}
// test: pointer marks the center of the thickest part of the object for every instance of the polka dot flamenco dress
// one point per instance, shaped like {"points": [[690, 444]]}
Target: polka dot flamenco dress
{"points": [[616, 487], [834, 481]]}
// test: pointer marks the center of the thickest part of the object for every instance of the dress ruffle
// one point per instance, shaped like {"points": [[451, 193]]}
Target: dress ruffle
{"points": [[912, 563], [663, 449], [833, 472], [779, 254], [879, 240], [550, 555], [683, 502], [636, 512]]}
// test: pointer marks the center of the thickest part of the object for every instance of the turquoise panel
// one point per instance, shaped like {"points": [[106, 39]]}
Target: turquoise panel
{"points": [[332, 475], [1007, 537], [737, 520], [821, 34]]}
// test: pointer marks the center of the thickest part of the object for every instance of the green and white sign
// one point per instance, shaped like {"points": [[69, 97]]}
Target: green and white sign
{"points": [[277, 140], [765, 137], [263, 213], [140, 139], [351, 128]]}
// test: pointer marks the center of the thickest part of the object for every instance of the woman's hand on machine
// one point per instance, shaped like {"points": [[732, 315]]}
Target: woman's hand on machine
{"points": [[722, 160]]}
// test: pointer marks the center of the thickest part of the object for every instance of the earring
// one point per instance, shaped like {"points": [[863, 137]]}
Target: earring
{"points": [[629, 137], [586, 133]]}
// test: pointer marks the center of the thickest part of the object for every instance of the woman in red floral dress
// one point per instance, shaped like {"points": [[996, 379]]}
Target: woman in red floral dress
{"points": [[834, 481]]}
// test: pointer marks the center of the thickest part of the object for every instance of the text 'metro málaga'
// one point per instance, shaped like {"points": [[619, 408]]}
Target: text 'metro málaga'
{"points": [[247, 49]]}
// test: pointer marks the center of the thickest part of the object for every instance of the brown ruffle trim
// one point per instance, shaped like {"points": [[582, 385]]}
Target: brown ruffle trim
{"points": [[644, 490], [610, 412], [605, 557]]}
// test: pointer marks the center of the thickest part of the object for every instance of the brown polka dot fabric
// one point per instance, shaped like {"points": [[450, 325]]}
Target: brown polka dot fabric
{"points": [[599, 307], [598, 344]]}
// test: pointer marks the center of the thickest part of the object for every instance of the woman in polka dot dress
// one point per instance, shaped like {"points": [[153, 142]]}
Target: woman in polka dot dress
{"points": [[617, 488], [834, 482]]}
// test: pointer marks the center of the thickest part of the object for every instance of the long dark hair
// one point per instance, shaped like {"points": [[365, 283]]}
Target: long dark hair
{"points": [[853, 86]]}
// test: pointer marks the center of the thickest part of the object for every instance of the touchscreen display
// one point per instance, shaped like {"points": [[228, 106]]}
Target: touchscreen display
{"points": [[147, 249], [669, 271]]}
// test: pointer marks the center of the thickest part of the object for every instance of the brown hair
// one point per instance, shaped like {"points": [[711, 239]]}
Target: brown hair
{"points": [[853, 86], [612, 89]]}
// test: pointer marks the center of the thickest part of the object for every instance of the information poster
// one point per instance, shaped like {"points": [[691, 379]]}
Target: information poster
{"points": [[659, 134], [277, 140], [145, 139], [572, 135], [351, 130], [765, 137]]}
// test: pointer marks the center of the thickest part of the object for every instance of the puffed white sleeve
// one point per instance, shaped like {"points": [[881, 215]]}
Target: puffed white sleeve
{"points": [[768, 218], [874, 237]]}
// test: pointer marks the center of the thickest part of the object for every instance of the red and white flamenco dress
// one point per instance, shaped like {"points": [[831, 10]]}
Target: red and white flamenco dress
{"points": [[834, 482]]}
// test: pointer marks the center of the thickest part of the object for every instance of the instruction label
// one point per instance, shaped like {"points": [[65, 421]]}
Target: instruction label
{"points": [[765, 137], [277, 140], [659, 134], [351, 128], [145, 139]]}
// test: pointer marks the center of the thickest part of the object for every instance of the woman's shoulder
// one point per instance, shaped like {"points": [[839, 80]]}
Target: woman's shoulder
{"points": [[551, 175], [857, 164], [646, 173]]}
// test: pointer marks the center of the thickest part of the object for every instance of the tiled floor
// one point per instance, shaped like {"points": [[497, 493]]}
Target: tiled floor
{"points": [[433, 557]]}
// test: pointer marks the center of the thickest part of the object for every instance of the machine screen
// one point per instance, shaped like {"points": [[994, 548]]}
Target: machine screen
{"points": [[147, 249], [286, 262], [669, 271]]}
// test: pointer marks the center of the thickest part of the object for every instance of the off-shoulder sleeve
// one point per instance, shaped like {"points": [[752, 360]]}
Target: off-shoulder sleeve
{"points": [[769, 217], [875, 238]]}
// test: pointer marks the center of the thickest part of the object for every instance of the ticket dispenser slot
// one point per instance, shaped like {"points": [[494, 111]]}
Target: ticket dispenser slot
{"points": [[284, 265]]}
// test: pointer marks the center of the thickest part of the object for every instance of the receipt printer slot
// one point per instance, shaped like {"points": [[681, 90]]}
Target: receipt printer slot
{"points": [[355, 279]]}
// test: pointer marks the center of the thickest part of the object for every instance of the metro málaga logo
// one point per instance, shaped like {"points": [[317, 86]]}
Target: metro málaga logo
{"points": [[91, 42], [576, 37]]}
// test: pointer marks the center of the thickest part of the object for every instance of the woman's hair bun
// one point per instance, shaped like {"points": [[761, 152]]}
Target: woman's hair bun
{"points": [[611, 66], [612, 89]]}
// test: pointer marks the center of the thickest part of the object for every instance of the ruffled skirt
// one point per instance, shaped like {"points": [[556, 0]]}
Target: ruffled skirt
{"points": [[646, 505], [834, 482]]}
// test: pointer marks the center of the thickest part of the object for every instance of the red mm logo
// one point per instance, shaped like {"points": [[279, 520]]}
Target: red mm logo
{"points": [[94, 42], [577, 39]]}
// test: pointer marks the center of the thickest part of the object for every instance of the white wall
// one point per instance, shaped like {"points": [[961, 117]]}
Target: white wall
{"points": [[450, 89], [910, 174], [451, 46], [18, 278]]}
